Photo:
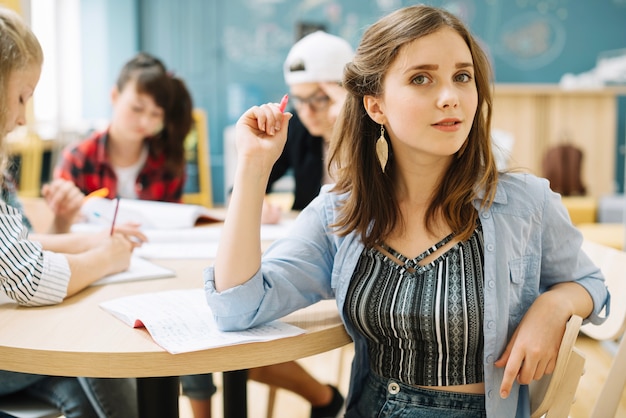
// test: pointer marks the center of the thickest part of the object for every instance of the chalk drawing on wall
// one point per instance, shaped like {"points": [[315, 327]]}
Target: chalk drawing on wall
{"points": [[531, 41], [385, 5], [259, 50], [463, 9]]}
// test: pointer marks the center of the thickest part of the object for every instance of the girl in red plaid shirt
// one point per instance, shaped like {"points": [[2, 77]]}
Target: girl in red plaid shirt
{"points": [[141, 153]]}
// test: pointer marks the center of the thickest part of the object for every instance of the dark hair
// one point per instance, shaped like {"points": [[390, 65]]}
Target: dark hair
{"points": [[371, 208], [169, 92]]}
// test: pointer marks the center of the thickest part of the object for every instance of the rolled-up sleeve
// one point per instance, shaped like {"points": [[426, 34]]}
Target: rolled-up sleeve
{"points": [[237, 306], [295, 272], [564, 258]]}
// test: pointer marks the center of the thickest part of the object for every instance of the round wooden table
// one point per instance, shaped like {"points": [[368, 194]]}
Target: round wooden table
{"points": [[78, 338]]}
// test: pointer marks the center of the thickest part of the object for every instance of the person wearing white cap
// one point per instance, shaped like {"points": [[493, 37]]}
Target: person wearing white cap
{"points": [[313, 70]]}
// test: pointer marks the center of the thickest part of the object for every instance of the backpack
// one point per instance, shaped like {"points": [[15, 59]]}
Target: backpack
{"points": [[562, 167]]}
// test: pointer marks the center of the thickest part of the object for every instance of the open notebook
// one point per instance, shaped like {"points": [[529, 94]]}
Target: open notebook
{"points": [[181, 321], [150, 214]]}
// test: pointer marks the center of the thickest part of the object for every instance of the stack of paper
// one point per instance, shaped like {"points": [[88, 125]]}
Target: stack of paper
{"points": [[140, 269]]}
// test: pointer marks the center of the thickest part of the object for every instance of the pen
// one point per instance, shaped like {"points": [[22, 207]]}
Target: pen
{"points": [[283, 103], [117, 206]]}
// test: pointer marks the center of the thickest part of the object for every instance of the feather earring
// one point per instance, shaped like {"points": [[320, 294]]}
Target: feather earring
{"points": [[382, 149]]}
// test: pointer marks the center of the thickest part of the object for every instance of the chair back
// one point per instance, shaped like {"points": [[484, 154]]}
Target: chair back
{"points": [[612, 262], [198, 190], [553, 394]]}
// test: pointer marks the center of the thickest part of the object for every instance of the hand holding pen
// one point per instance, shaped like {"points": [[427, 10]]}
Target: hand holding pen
{"points": [[283, 103], [129, 230], [262, 133]]}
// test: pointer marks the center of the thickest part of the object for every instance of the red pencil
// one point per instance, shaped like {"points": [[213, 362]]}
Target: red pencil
{"points": [[117, 206], [283, 103]]}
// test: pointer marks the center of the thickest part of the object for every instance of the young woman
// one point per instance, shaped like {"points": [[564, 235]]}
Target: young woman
{"points": [[141, 155], [31, 274], [454, 281]]}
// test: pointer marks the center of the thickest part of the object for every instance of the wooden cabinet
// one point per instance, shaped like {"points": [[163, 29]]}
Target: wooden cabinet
{"points": [[541, 116]]}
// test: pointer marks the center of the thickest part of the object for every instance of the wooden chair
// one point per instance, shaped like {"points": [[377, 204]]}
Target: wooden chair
{"points": [[612, 262], [29, 148], [198, 167], [552, 396], [613, 387]]}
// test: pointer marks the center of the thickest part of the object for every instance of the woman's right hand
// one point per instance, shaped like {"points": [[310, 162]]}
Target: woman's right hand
{"points": [[261, 133]]}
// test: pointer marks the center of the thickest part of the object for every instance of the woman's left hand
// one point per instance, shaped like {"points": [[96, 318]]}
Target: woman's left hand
{"points": [[534, 346]]}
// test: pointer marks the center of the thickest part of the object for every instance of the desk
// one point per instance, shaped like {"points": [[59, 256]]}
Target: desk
{"points": [[581, 209], [78, 338], [609, 234]]}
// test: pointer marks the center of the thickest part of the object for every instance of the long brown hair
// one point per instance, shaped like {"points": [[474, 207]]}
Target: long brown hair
{"points": [[19, 50], [170, 93], [371, 207]]}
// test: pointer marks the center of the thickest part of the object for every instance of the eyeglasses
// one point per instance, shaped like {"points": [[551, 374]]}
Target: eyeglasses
{"points": [[316, 102]]}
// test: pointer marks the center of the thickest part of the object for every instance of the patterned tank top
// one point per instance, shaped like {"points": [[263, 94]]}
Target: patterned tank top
{"points": [[423, 323]]}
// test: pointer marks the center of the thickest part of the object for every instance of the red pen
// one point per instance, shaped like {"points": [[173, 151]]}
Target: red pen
{"points": [[283, 103], [117, 206]]}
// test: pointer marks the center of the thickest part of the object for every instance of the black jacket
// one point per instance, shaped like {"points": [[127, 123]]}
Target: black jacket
{"points": [[302, 155]]}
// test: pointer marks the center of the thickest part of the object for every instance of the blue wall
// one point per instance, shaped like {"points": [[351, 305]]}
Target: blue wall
{"points": [[109, 37], [231, 53]]}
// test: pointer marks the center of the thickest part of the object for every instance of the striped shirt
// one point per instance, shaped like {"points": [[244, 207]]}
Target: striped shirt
{"points": [[423, 323], [29, 275]]}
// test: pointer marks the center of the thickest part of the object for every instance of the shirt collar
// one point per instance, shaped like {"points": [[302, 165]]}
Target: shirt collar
{"points": [[500, 196]]}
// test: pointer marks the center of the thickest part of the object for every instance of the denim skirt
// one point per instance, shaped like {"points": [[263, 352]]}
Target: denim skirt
{"points": [[389, 398]]}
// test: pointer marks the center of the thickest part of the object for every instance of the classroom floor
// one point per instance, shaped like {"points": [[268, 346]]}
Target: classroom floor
{"points": [[334, 368]]}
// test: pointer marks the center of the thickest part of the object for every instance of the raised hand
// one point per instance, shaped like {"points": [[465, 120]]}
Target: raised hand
{"points": [[261, 136]]}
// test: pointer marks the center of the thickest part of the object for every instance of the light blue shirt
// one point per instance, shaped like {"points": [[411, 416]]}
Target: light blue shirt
{"points": [[530, 245]]}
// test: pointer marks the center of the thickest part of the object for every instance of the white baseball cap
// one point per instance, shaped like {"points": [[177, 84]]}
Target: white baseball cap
{"points": [[316, 58]]}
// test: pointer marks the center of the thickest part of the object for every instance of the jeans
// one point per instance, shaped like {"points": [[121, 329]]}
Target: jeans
{"points": [[76, 397], [198, 386], [389, 398]]}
